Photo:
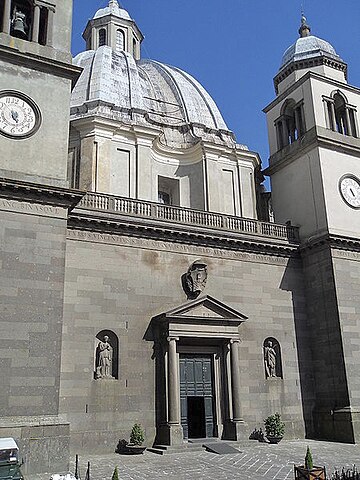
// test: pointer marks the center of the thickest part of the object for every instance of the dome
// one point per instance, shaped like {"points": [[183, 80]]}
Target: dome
{"points": [[166, 95], [113, 9], [308, 47]]}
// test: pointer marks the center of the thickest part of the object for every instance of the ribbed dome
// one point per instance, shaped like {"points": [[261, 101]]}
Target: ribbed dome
{"points": [[112, 9], [168, 95]]}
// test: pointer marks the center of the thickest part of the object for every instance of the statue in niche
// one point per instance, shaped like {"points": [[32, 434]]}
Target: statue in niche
{"points": [[194, 280], [104, 357], [271, 359], [19, 23]]}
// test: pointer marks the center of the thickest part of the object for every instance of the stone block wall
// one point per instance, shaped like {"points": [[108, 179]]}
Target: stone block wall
{"points": [[32, 260], [120, 283]]}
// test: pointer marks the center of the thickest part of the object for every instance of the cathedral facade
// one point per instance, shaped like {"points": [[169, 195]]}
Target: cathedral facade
{"points": [[144, 277]]}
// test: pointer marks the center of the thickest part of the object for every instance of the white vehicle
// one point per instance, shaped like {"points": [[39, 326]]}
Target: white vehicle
{"points": [[9, 460]]}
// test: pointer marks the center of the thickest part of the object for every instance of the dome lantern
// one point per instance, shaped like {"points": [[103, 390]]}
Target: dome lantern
{"points": [[112, 26], [304, 30]]}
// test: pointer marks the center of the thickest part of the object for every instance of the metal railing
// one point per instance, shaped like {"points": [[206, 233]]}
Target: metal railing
{"points": [[187, 216]]}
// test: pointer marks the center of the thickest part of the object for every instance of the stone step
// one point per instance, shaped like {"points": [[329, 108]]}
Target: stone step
{"points": [[167, 449]]}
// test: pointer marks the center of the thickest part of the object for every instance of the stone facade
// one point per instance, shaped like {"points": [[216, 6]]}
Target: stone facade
{"points": [[156, 293]]}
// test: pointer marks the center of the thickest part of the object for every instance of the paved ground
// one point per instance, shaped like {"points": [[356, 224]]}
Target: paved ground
{"points": [[255, 461]]}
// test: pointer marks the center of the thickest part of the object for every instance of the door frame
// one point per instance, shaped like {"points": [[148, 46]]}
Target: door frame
{"points": [[216, 354]]}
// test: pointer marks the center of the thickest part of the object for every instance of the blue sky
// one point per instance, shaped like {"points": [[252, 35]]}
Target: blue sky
{"points": [[234, 47]]}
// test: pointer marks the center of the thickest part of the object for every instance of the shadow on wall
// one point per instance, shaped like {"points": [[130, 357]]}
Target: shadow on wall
{"points": [[292, 282]]}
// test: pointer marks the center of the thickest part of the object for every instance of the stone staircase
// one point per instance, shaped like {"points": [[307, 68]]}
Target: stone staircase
{"points": [[196, 446]]}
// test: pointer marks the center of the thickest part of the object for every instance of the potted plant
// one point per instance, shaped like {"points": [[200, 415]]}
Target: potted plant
{"points": [[308, 471], [134, 447], [274, 428]]}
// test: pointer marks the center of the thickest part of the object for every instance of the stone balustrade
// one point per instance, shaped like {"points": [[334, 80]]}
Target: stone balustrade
{"points": [[187, 216]]}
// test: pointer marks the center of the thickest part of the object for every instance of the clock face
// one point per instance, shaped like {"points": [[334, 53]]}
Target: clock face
{"points": [[19, 115], [349, 186]]}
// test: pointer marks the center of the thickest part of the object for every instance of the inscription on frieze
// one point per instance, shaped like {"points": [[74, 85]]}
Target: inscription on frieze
{"points": [[31, 208], [173, 247]]}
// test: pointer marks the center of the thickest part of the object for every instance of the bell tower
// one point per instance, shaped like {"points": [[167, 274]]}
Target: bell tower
{"points": [[35, 86], [314, 137]]}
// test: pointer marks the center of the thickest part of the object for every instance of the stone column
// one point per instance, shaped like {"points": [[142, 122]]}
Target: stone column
{"points": [[172, 432], [50, 30], [235, 380], [36, 25], [173, 383], [347, 122], [6, 17], [333, 117]]}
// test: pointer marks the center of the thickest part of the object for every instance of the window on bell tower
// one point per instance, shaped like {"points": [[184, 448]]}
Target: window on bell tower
{"points": [[290, 126], [341, 117], [102, 37], [120, 40]]}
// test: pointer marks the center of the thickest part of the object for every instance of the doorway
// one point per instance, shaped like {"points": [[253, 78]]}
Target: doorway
{"points": [[197, 396]]}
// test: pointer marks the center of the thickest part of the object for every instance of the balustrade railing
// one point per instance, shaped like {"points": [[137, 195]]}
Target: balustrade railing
{"points": [[157, 211]]}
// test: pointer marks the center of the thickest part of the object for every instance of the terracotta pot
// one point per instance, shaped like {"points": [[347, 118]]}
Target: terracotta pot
{"points": [[316, 473]]}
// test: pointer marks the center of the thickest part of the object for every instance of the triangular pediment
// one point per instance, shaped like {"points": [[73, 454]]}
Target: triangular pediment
{"points": [[206, 307]]}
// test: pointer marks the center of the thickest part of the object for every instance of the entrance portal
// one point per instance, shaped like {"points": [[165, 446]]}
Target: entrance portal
{"points": [[197, 396]]}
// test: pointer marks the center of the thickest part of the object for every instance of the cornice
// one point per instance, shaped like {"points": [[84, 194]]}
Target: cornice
{"points": [[334, 241], [44, 64], [310, 75], [179, 233], [309, 63], [315, 137], [39, 193]]}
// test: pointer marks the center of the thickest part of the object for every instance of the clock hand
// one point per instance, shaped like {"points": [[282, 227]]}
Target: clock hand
{"points": [[15, 116]]}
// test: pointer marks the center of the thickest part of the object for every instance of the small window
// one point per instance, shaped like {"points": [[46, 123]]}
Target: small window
{"points": [[134, 47], [120, 40], [168, 191], [102, 37], [291, 125], [341, 117]]}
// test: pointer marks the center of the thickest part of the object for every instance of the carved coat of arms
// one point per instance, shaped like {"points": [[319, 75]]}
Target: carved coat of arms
{"points": [[195, 279]]}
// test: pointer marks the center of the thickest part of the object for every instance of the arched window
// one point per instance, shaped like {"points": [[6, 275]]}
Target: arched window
{"points": [[120, 40], [102, 37], [341, 117], [272, 358], [290, 126], [106, 358]]}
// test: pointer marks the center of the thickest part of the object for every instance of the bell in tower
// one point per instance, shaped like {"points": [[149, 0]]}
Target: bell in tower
{"points": [[21, 19]]}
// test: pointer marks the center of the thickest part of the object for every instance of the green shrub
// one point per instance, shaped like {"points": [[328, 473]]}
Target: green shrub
{"points": [[308, 459], [115, 475], [137, 435], [274, 427]]}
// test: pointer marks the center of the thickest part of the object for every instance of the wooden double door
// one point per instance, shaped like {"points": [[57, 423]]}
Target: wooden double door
{"points": [[197, 397]]}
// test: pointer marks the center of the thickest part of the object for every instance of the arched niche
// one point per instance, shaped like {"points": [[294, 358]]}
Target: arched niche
{"points": [[272, 358], [106, 346]]}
